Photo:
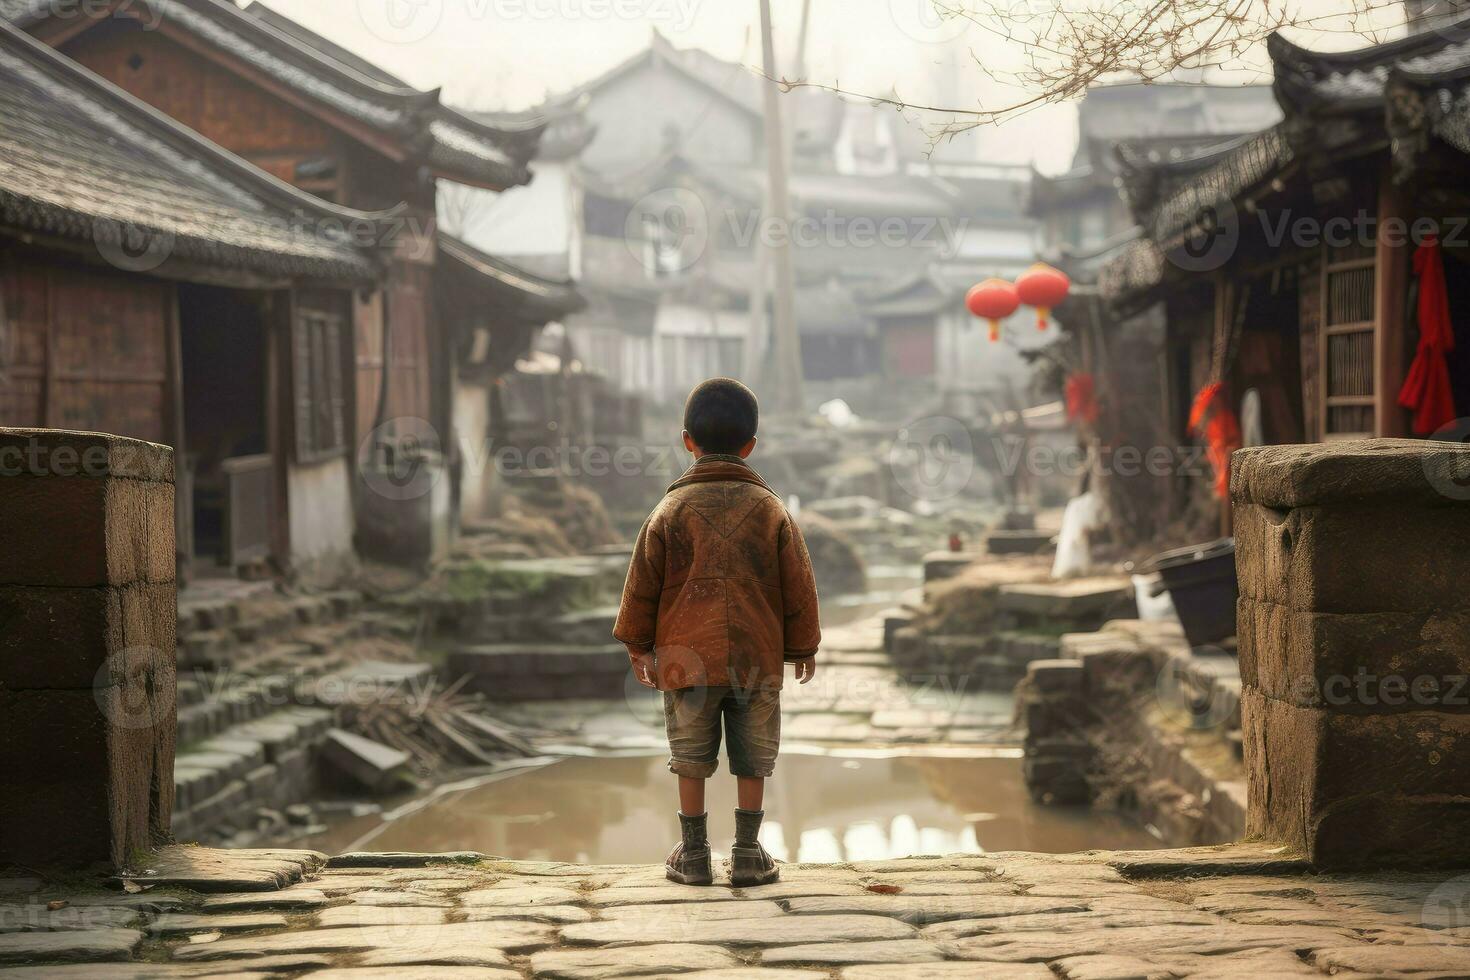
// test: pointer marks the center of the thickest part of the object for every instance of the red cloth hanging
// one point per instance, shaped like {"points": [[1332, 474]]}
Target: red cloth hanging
{"points": [[1427, 389], [1221, 432], [1081, 396]]}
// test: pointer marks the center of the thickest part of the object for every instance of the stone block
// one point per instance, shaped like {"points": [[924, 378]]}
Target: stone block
{"points": [[942, 565], [367, 763], [1405, 471], [1056, 676], [1365, 662], [89, 773], [1351, 558], [1358, 790]]}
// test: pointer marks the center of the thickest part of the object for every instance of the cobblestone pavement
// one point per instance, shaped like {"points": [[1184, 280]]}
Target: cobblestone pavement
{"points": [[1234, 911], [855, 699]]}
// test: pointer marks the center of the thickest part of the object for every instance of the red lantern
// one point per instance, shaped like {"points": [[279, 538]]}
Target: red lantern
{"points": [[1043, 287], [993, 300]]}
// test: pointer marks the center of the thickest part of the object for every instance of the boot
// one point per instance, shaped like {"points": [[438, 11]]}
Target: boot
{"points": [[749, 862], [689, 862]]}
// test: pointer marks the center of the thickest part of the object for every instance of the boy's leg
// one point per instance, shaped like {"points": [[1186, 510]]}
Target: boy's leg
{"points": [[692, 722], [750, 792], [691, 795], [752, 738]]}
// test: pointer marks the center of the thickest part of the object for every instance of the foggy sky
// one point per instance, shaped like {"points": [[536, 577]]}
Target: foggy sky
{"points": [[512, 53]]}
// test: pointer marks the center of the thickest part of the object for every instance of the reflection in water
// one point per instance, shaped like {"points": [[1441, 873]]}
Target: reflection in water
{"points": [[819, 808]]}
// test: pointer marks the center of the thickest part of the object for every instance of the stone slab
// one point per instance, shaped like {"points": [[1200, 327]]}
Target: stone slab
{"points": [[522, 896], [70, 946], [921, 910], [205, 869], [559, 914], [37, 917], [1400, 470], [462, 944], [402, 859], [660, 958], [417, 973], [289, 899], [949, 971], [179, 923], [888, 951], [742, 932], [345, 916], [370, 764]]}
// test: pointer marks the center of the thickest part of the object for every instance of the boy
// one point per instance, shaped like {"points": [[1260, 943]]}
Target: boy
{"points": [[719, 598]]}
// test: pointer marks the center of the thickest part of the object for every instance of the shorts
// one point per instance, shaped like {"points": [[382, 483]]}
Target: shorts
{"points": [[752, 722]]}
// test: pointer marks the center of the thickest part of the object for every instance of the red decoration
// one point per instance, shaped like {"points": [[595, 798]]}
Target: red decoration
{"points": [[993, 300], [1043, 287], [1221, 431], [1427, 388], [1081, 397]]}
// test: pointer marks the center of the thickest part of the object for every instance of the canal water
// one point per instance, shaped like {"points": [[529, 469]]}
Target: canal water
{"points": [[819, 807]]}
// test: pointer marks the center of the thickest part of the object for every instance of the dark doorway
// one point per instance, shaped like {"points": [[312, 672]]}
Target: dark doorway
{"points": [[1270, 357], [223, 340]]}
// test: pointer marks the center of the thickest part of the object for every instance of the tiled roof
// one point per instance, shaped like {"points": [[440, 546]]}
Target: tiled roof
{"points": [[302, 60], [530, 294], [81, 159], [1353, 79]]}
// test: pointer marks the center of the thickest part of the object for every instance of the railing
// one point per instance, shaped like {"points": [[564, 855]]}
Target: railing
{"points": [[249, 492]]}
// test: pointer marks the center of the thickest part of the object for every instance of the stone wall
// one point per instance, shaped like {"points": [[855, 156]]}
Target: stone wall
{"points": [[87, 647], [1129, 716], [1354, 639]]}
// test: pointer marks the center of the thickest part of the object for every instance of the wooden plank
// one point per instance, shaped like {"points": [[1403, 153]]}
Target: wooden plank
{"points": [[1390, 276]]}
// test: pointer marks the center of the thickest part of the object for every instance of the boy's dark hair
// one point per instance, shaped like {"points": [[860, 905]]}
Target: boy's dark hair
{"points": [[721, 415]]}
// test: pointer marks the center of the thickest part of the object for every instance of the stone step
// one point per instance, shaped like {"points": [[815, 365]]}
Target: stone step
{"points": [[513, 671], [366, 681], [262, 763], [1084, 600]]}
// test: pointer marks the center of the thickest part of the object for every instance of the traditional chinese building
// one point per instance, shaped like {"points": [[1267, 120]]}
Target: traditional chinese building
{"points": [[155, 285], [337, 127], [1290, 265]]}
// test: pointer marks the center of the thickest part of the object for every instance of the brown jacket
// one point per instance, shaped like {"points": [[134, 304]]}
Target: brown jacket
{"points": [[720, 587]]}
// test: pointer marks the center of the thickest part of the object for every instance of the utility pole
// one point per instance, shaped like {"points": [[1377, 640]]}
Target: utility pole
{"points": [[786, 344]]}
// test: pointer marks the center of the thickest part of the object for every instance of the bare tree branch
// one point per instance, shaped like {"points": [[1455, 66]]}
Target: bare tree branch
{"points": [[1072, 44]]}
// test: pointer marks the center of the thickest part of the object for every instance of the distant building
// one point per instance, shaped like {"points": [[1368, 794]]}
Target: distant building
{"points": [[1082, 214], [661, 170]]}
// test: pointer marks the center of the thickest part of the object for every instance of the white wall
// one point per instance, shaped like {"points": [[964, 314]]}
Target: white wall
{"points": [[321, 519], [532, 219], [472, 430]]}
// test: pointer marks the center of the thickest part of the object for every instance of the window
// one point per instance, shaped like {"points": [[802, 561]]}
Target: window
{"points": [[321, 429]]}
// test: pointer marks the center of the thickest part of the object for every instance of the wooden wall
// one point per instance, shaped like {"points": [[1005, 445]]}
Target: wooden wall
{"points": [[88, 349], [212, 100]]}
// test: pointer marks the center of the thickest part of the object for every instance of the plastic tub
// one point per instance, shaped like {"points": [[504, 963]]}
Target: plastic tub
{"points": [[1201, 580]]}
